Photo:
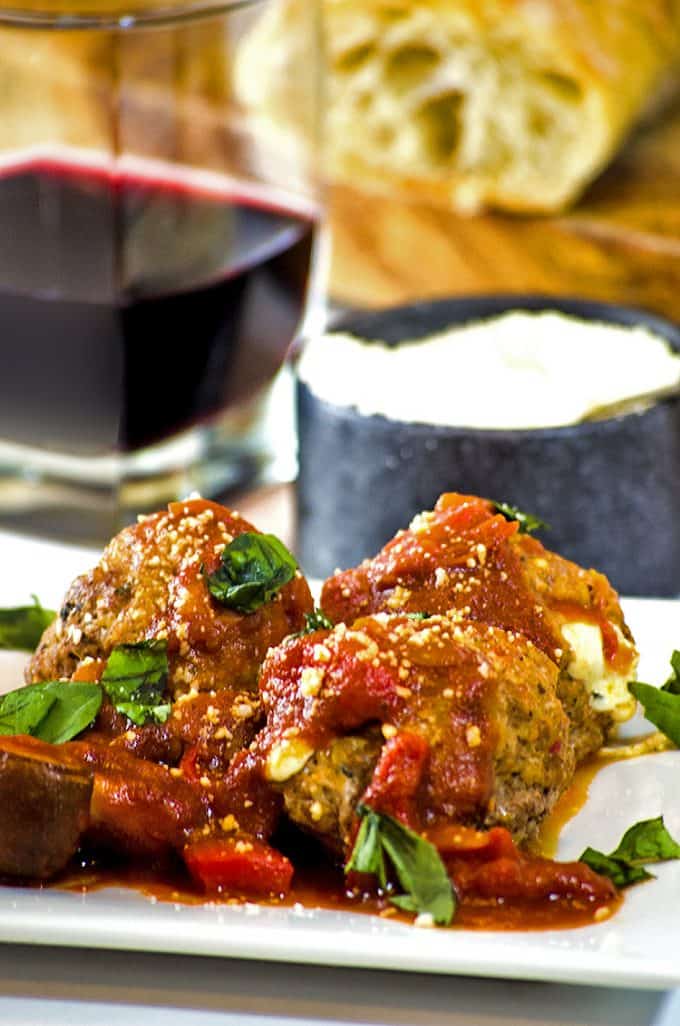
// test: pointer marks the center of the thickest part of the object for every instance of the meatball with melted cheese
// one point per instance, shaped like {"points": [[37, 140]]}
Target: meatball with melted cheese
{"points": [[432, 721], [151, 583], [465, 559]]}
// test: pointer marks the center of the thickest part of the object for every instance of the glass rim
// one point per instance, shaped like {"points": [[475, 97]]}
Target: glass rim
{"points": [[118, 14]]}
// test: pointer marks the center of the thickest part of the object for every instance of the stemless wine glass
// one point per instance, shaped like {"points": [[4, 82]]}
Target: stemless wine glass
{"points": [[158, 253]]}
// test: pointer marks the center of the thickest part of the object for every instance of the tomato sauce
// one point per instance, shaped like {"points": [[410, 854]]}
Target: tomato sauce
{"points": [[460, 556], [318, 883], [324, 887], [566, 807]]}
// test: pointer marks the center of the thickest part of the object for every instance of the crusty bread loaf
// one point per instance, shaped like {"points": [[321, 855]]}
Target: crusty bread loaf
{"points": [[516, 104]]}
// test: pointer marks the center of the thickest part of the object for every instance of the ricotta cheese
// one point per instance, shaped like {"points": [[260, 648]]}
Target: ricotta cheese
{"points": [[608, 690], [519, 370], [286, 758]]}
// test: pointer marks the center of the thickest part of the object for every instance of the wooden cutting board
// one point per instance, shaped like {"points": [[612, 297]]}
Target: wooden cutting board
{"points": [[621, 242]]}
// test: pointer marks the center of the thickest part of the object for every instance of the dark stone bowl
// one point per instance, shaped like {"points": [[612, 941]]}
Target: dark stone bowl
{"points": [[610, 489]]}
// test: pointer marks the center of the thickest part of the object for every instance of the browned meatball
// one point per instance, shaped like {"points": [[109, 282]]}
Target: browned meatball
{"points": [[466, 558], [429, 720], [322, 797], [151, 584]]}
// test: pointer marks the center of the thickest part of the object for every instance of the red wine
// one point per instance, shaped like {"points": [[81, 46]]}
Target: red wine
{"points": [[132, 307]]}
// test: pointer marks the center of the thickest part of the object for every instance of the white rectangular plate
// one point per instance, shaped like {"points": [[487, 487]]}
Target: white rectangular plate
{"points": [[637, 948]]}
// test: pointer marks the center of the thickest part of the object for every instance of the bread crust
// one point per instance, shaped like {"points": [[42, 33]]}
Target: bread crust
{"points": [[516, 104]]}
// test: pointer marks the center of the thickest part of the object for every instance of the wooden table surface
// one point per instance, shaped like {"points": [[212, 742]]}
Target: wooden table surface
{"points": [[621, 242]]}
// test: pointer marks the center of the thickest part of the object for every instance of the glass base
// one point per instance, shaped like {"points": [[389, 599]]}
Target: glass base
{"points": [[87, 501]]}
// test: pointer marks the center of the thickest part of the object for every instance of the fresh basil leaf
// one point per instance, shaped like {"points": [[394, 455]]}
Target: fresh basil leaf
{"points": [[130, 667], [22, 627], [317, 621], [135, 679], [675, 664], [662, 708], [420, 870], [23, 710], [367, 854], [672, 685], [406, 903], [54, 711], [662, 705], [416, 862], [314, 621], [620, 872], [75, 707], [528, 523], [419, 616], [254, 568], [647, 841], [141, 713]]}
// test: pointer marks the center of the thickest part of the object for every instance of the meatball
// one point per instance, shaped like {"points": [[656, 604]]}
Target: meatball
{"points": [[186, 783], [151, 584], [430, 720], [322, 797], [464, 557]]}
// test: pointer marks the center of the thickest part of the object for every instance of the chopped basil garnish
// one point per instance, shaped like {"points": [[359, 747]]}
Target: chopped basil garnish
{"points": [[53, 711], [662, 708], [135, 679], [254, 568], [419, 616], [367, 855], [23, 626], [416, 862], [57, 710], [672, 685], [314, 621], [662, 705], [646, 841], [317, 621], [527, 521], [620, 872]]}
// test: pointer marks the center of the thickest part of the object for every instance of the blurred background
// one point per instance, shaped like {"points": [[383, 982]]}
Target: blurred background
{"points": [[171, 176]]}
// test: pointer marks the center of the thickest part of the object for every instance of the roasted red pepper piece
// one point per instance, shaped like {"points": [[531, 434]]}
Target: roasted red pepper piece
{"points": [[455, 841], [189, 765], [238, 866], [397, 778], [488, 864]]}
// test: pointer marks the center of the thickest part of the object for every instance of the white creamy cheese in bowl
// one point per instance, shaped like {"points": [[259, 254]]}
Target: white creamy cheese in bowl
{"points": [[544, 369], [495, 396]]}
